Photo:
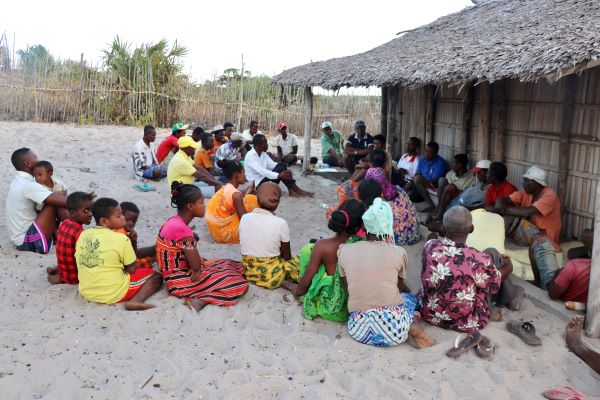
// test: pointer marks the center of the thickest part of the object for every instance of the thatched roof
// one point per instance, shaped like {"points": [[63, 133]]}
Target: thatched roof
{"points": [[495, 39]]}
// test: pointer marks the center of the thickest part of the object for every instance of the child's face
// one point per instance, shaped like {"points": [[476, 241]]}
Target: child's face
{"points": [[116, 219], [83, 215], [378, 145], [198, 208], [130, 220], [42, 175]]}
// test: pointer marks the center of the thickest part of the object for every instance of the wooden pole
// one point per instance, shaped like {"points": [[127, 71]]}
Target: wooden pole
{"points": [[483, 137], [308, 115], [82, 72], [430, 114], [565, 133], [392, 103], [501, 120], [593, 304], [467, 116], [384, 111], [239, 124]]}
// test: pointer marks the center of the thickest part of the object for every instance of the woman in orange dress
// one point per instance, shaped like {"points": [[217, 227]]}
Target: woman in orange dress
{"points": [[226, 207]]}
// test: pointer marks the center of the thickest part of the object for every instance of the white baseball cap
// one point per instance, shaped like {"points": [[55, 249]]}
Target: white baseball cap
{"points": [[536, 174], [481, 164], [326, 124]]}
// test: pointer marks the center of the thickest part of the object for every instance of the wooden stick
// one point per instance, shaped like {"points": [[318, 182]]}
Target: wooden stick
{"points": [[308, 99]]}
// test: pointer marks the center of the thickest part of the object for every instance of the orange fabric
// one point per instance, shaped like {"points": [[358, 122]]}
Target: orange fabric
{"points": [[136, 281], [548, 205], [222, 220], [140, 262], [203, 158]]}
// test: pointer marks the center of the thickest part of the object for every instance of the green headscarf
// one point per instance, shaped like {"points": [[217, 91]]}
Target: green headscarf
{"points": [[379, 220]]}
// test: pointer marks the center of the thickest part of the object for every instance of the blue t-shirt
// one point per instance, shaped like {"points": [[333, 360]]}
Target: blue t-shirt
{"points": [[433, 169], [360, 143]]}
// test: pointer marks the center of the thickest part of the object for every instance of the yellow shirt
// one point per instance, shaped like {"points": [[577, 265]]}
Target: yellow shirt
{"points": [[488, 231], [101, 255], [181, 168]]}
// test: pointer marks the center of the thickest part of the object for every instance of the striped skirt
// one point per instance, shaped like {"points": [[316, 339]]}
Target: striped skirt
{"points": [[383, 326]]}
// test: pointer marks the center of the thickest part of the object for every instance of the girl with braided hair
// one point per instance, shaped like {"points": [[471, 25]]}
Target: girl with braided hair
{"points": [[186, 274]]}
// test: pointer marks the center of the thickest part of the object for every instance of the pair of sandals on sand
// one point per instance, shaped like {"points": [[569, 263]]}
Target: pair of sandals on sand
{"points": [[483, 346], [567, 393]]}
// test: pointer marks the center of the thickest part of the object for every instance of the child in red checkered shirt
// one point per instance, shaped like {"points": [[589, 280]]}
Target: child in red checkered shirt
{"points": [[79, 206]]}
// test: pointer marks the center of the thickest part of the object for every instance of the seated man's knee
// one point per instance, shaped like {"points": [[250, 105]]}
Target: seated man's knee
{"points": [[442, 182], [452, 190], [280, 167]]}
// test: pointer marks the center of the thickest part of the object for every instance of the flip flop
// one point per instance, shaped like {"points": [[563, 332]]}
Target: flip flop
{"points": [[485, 348], [565, 393], [144, 187], [525, 331], [463, 343]]}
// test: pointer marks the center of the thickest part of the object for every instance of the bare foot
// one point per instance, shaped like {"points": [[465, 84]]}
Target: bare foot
{"points": [[194, 304], [419, 338], [295, 193], [515, 304], [573, 333], [54, 279], [135, 306], [289, 285], [496, 314], [306, 194], [52, 270]]}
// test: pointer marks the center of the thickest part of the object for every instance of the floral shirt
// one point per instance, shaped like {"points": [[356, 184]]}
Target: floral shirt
{"points": [[456, 280]]}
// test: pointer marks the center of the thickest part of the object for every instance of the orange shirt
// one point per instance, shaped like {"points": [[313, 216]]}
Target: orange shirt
{"points": [[548, 204], [203, 158]]}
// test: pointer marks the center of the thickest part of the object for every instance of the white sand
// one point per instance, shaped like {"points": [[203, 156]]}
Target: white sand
{"points": [[55, 345]]}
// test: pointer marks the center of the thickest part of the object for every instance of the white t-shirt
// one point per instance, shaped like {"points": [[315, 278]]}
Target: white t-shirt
{"points": [[261, 233], [248, 137], [286, 144], [23, 194], [143, 156], [410, 164], [259, 167]]}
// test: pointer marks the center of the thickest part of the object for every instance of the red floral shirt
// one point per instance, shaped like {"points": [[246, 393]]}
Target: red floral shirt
{"points": [[456, 280]]}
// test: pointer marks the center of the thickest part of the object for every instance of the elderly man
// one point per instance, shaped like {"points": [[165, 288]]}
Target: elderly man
{"points": [[537, 223], [230, 150], [431, 168], [332, 146], [287, 145], [183, 169], [358, 145], [260, 168], [26, 228], [458, 281], [145, 163]]}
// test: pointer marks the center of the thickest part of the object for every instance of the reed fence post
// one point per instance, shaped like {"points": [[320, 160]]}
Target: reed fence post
{"points": [[593, 304], [483, 138], [308, 116], [82, 72]]}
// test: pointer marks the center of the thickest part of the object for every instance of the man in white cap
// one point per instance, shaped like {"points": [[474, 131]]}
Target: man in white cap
{"points": [[473, 196], [287, 145], [332, 145], [230, 150], [538, 208]]}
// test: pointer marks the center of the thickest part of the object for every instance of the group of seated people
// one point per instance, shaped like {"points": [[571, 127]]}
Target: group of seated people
{"points": [[357, 275]]}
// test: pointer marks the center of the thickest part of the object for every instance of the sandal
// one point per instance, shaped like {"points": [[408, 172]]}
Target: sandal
{"points": [[485, 348], [525, 331], [463, 343], [565, 393]]}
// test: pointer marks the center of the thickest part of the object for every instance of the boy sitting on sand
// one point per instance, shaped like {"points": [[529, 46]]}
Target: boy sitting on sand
{"points": [[106, 262], [79, 206], [145, 255], [42, 172]]}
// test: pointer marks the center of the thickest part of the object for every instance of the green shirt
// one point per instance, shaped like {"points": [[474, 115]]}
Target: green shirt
{"points": [[335, 142]]}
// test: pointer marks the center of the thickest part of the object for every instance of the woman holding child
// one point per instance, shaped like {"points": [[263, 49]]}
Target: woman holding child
{"points": [[228, 205], [186, 274], [323, 293]]}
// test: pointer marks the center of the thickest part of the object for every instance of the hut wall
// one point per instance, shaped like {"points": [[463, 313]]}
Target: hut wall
{"points": [[525, 128]]}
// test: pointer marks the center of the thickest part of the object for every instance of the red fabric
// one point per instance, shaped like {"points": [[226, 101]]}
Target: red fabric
{"points": [[494, 193], [66, 237], [136, 281], [575, 278], [165, 147]]}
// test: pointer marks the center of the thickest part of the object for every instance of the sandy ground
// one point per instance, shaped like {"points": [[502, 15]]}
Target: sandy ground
{"points": [[56, 345]]}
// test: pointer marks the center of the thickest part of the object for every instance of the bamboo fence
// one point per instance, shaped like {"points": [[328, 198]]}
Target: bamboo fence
{"points": [[78, 92]]}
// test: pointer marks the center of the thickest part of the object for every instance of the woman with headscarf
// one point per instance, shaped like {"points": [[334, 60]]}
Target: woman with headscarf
{"points": [[382, 310], [265, 243], [321, 289], [406, 225]]}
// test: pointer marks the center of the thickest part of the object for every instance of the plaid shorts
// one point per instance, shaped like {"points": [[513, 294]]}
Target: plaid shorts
{"points": [[35, 241]]}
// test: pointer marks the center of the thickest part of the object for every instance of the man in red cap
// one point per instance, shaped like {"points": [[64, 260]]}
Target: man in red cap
{"points": [[287, 145]]}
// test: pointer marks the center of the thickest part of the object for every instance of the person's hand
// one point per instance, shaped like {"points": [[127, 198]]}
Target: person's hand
{"points": [[506, 261], [329, 212], [285, 175], [195, 275], [371, 146], [250, 188], [218, 185], [132, 235]]}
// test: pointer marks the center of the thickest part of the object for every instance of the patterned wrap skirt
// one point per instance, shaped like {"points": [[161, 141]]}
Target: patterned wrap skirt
{"points": [[269, 272], [383, 326]]}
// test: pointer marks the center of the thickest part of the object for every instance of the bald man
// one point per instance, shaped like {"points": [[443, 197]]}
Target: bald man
{"points": [[459, 281]]}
